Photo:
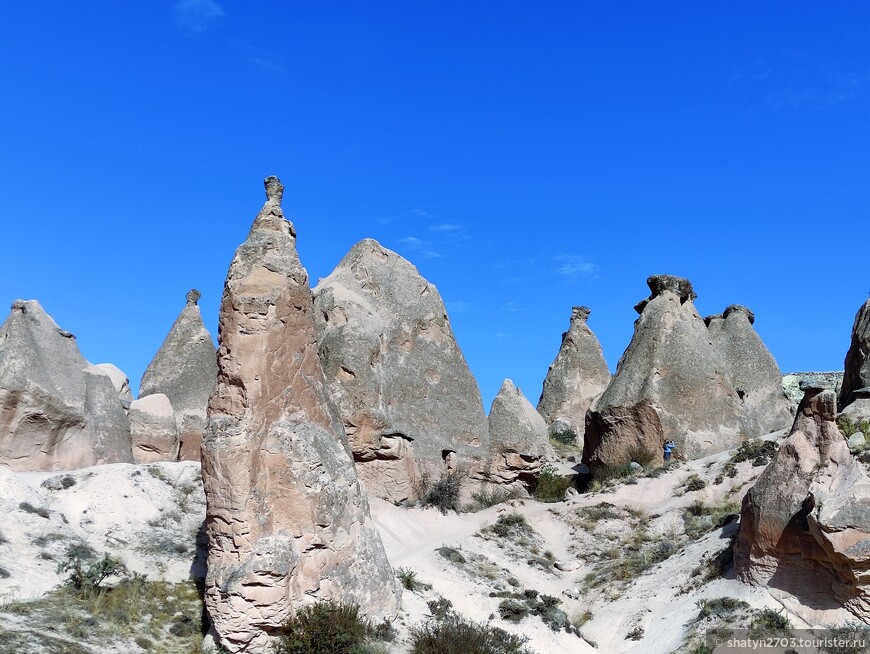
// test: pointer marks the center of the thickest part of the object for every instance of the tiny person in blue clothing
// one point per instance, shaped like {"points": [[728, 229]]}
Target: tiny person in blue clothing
{"points": [[669, 447]]}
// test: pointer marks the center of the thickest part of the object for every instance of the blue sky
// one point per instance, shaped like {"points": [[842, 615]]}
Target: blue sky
{"points": [[527, 157]]}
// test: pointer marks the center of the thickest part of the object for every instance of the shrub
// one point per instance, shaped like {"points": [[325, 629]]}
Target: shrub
{"points": [[511, 525], [409, 580], [451, 554], [27, 507], [636, 634], [325, 628], [88, 580], [641, 456], [488, 498], [720, 606], [453, 634], [755, 450], [551, 485], [852, 638], [512, 610], [444, 495], [601, 511], [700, 518], [440, 608], [565, 436], [770, 620], [695, 483]]}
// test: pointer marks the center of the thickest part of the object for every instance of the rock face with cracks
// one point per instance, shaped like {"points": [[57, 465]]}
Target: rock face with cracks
{"points": [[57, 412], [153, 429], [287, 518], [857, 365], [576, 379], [753, 371], [805, 525], [518, 434], [408, 402], [670, 384], [184, 369]]}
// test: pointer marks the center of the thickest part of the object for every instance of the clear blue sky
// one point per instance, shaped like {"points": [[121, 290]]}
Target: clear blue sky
{"points": [[526, 157]]}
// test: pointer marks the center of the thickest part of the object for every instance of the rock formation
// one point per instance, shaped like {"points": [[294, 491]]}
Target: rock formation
{"points": [[791, 383], [184, 369], [409, 404], [576, 379], [153, 429], [805, 525], [57, 412], [670, 384], [287, 518], [518, 434], [753, 371], [856, 375], [119, 380]]}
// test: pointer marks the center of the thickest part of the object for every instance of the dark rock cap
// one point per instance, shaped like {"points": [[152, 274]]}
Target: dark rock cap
{"points": [[658, 284], [193, 296], [274, 189], [712, 317], [742, 309], [580, 313]]}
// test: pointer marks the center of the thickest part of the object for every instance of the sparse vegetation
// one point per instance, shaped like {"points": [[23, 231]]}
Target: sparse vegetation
{"points": [[511, 525], [601, 511], [88, 580], [694, 483], [756, 450], [409, 580], [452, 554], [850, 427], [630, 564], [700, 518], [444, 494], [770, 621], [27, 507], [720, 606], [449, 633], [327, 628], [551, 485], [565, 437], [486, 498]]}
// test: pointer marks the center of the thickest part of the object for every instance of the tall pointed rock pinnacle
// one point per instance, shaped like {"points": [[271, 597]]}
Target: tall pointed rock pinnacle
{"points": [[184, 370], [287, 518]]}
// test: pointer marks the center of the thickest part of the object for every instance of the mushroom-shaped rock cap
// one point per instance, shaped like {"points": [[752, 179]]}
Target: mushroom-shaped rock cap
{"points": [[193, 296], [274, 189], [712, 317], [658, 284], [680, 286], [580, 313], [815, 384], [739, 308]]}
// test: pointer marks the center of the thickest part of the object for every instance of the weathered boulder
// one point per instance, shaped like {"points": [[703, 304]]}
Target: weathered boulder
{"points": [[119, 380], [670, 384], [857, 365], [153, 429], [791, 383], [576, 379], [859, 408], [518, 437], [805, 525], [184, 370], [753, 371], [408, 402], [57, 412], [287, 518]]}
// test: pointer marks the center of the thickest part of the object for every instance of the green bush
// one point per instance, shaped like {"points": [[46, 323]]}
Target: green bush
{"points": [[444, 495], [510, 525], [325, 628], [755, 450], [551, 485], [694, 483], [768, 620], [453, 634], [88, 580], [565, 437], [408, 579]]}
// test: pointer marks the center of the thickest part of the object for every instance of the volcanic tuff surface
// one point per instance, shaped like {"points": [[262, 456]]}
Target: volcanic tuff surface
{"points": [[577, 377], [57, 412], [287, 518], [670, 384], [184, 369], [857, 365], [805, 525], [404, 391]]}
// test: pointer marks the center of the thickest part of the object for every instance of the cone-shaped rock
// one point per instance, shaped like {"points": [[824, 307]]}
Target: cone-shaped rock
{"points": [[406, 396], [857, 365], [287, 519], [576, 379], [518, 434], [57, 412], [153, 429], [184, 370], [753, 371], [805, 525], [670, 384]]}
